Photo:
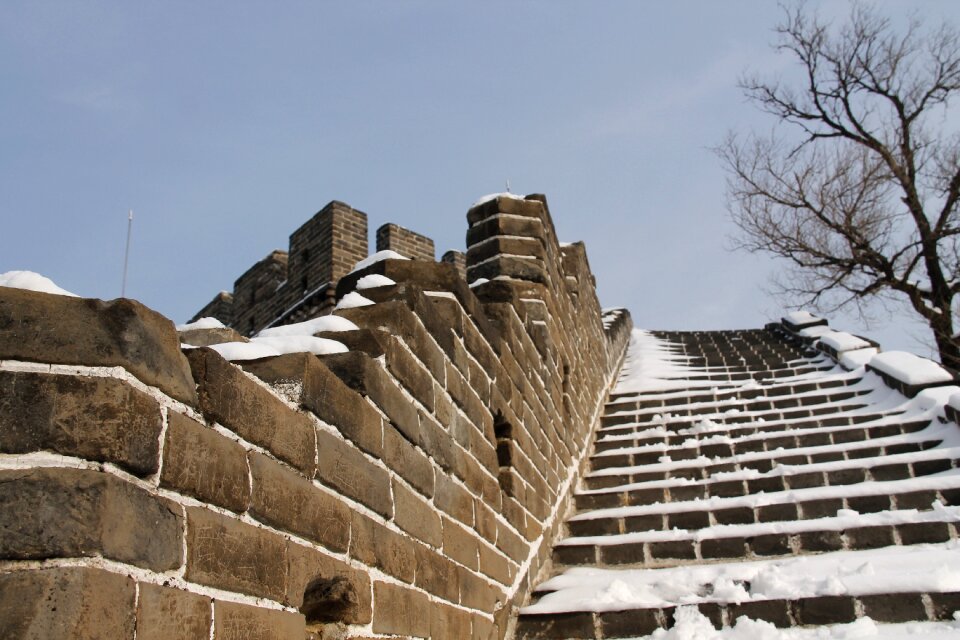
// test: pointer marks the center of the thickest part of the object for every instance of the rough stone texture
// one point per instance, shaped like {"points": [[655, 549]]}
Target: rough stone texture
{"points": [[72, 602], [42, 327], [231, 555], [202, 463], [164, 613], [100, 419], [286, 500], [400, 610], [347, 470], [51, 512], [227, 396], [326, 589], [207, 337], [314, 387], [234, 621]]}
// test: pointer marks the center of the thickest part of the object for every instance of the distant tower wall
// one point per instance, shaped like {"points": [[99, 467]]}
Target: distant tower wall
{"points": [[458, 260], [405, 242], [256, 293], [221, 308], [325, 248]]}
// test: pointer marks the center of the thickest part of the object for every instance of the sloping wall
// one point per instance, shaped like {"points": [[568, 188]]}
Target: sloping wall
{"points": [[411, 486]]}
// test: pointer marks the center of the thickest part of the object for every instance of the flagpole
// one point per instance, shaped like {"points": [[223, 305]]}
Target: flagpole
{"points": [[126, 255]]}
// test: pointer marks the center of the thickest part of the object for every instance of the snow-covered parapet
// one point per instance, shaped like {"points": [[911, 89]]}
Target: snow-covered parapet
{"points": [[795, 321], [32, 282], [840, 344], [909, 373]]}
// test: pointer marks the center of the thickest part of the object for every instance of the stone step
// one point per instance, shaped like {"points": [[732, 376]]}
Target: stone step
{"points": [[822, 610], [721, 414]]}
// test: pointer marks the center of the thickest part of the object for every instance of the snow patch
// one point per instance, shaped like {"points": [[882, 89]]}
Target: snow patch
{"points": [[32, 282], [493, 196], [374, 280], [202, 323], [379, 256], [353, 300], [909, 369], [841, 341], [310, 327]]}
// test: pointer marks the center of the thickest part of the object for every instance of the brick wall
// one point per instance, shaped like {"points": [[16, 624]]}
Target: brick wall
{"points": [[411, 486], [407, 243], [458, 260], [290, 286]]}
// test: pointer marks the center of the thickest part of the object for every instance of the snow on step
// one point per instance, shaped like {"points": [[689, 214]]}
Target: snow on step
{"points": [[743, 473]]}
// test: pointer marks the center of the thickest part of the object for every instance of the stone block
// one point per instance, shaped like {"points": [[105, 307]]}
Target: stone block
{"points": [[41, 327], [165, 612], [101, 419], [313, 386], [415, 516], [400, 610], [228, 554], [347, 470], [207, 337], [286, 500], [460, 544], [375, 545], [227, 396], [408, 461], [825, 610], [56, 512], [66, 602], [894, 607], [449, 622], [436, 574], [776, 612], [199, 462], [326, 589], [233, 621], [366, 376], [567, 626], [453, 499]]}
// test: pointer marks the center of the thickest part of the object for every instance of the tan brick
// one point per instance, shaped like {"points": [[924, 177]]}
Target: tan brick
{"points": [[40, 327], [449, 622], [241, 405], [495, 565], [345, 595], [100, 419], [286, 500], [409, 462], [460, 544], [69, 602], [475, 592], [164, 612], [377, 546], [436, 574], [55, 512], [415, 516], [234, 621], [201, 463], [400, 610], [323, 393], [454, 500], [348, 471], [228, 554]]}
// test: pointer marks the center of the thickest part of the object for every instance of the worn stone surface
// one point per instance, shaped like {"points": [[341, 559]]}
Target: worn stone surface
{"points": [[204, 464], [400, 610], [286, 500], [227, 396], [165, 612], [312, 385], [100, 419], [51, 512], [227, 554], [326, 589], [70, 602], [207, 337], [41, 327], [233, 621], [345, 469]]}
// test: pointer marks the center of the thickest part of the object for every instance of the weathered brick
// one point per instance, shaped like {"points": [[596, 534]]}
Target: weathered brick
{"points": [[436, 574], [201, 463], [408, 461], [164, 612], [66, 602], [460, 544], [286, 500], [228, 554], [348, 471], [55, 512], [449, 622], [234, 621], [566, 626], [400, 610], [312, 385], [453, 499], [100, 419], [326, 589], [41, 327], [415, 516], [377, 546], [227, 396]]}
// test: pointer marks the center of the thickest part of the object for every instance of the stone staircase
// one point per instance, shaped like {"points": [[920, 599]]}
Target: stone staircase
{"points": [[742, 455]]}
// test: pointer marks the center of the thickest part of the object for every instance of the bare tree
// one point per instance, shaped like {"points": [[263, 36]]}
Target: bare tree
{"points": [[858, 186]]}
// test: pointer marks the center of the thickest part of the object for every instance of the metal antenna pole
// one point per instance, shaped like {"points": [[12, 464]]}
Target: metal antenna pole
{"points": [[508, 185], [126, 255]]}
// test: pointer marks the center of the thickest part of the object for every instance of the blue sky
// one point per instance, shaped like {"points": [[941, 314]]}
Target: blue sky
{"points": [[225, 125]]}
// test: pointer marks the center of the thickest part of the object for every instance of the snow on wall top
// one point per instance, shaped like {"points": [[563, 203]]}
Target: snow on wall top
{"points": [[32, 282], [910, 369]]}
